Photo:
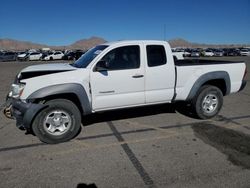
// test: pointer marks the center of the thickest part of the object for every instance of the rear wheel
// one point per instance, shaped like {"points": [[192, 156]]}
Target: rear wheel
{"points": [[207, 102], [59, 122]]}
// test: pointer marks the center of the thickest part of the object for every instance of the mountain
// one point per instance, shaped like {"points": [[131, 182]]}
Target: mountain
{"points": [[84, 44], [87, 43], [183, 43], [10, 44], [179, 43]]}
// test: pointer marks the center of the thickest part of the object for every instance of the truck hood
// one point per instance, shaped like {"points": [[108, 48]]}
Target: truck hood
{"points": [[39, 70]]}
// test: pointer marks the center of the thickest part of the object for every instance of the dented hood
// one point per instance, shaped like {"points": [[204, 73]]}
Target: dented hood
{"points": [[43, 69], [49, 67]]}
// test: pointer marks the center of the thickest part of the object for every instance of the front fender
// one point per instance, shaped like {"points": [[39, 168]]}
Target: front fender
{"points": [[73, 88]]}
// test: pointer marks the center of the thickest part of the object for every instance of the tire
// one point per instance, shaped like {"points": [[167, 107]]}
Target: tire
{"points": [[59, 122], [51, 58], [207, 102]]}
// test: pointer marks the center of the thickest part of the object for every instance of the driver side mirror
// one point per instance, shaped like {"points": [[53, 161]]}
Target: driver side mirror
{"points": [[102, 66]]}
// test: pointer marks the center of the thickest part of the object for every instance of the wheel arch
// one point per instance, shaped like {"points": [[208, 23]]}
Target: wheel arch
{"points": [[71, 91], [220, 79]]}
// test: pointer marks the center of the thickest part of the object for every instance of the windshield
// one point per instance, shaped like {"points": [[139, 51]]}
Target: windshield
{"points": [[85, 59]]}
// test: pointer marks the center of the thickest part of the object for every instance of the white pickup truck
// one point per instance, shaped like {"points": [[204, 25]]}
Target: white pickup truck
{"points": [[51, 99]]}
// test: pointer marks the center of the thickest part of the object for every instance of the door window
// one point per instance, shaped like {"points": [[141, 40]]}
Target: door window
{"points": [[123, 58], [156, 55]]}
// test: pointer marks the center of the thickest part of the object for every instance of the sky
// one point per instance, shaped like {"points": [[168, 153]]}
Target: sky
{"points": [[55, 22]]}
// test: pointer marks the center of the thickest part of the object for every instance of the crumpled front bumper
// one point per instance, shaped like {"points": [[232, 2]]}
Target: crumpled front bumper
{"points": [[7, 109], [23, 112]]}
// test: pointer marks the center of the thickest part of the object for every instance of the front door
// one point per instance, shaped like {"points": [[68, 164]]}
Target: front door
{"points": [[122, 84]]}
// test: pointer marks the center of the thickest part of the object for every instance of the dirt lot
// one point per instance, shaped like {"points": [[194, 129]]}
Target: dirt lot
{"points": [[154, 146]]}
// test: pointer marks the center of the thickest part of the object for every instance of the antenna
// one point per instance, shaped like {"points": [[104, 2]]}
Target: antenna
{"points": [[164, 32]]}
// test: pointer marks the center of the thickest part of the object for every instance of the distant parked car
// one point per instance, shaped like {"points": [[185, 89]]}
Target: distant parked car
{"points": [[68, 55], [73, 55], [22, 56], [8, 56], [186, 53], [231, 52], [218, 53], [208, 53], [56, 55], [34, 56], [234, 52], [1, 53], [195, 53], [44, 54], [245, 52]]}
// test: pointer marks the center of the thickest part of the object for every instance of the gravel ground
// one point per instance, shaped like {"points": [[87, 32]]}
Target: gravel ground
{"points": [[156, 146]]}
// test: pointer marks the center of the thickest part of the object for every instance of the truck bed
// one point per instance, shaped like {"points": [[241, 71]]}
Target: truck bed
{"points": [[188, 71]]}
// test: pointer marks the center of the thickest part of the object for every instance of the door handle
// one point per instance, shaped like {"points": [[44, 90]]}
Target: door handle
{"points": [[138, 76], [107, 91]]}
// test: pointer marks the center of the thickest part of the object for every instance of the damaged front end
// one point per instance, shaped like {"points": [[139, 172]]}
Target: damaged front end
{"points": [[7, 109], [23, 111], [7, 112]]}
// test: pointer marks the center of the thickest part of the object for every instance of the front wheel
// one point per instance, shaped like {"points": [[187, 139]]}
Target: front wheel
{"points": [[207, 102], [59, 122]]}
